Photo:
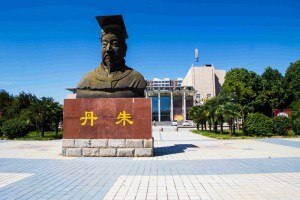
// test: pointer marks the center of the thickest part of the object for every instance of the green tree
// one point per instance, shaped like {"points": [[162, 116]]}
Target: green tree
{"points": [[197, 114], [56, 115], [27, 107], [220, 115], [295, 109], [44, 111], [258, 124], [272, 95], [221, 100], [5, 102], [292, 82], [15, 127], [231, 112], [296, 116], [226, 111], [210, 112], [19, 104], [281, 125], [243, 87]]}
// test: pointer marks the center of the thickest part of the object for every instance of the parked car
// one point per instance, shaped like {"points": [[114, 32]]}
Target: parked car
{"points": [[174, 123], [186, 123]]}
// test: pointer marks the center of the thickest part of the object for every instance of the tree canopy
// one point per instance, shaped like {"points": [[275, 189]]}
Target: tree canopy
{"points": [[244, 92], [41, 113], [292, 82]]}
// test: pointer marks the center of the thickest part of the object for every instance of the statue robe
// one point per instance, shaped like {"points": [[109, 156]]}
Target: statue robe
{"points": [[124, 83]]}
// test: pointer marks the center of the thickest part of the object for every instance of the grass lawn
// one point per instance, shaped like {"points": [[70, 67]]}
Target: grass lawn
{"points": [[238, 135], [49, 135], [225, 135]]}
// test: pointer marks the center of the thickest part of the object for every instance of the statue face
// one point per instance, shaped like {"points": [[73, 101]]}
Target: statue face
{"points": [[113, 50]]}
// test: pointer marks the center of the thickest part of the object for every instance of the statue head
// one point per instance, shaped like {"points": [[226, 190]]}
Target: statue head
{"points": [[112, 79], [113, 44]]}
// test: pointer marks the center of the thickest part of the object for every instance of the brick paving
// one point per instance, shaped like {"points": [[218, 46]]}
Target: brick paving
{"points": [[185, 166]]}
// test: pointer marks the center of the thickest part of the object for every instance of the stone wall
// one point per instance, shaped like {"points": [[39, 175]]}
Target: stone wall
{"points": [[107, 147]]}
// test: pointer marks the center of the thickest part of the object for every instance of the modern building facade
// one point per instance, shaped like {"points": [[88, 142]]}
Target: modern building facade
{"points": [[156, 82], [170, 100], [206, 80]]}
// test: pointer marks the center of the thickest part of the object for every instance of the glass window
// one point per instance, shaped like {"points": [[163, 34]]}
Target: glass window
{"points": [[164, 108]]}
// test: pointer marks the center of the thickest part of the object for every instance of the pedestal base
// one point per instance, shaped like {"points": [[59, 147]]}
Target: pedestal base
{"points": [[107, 127], [107, 147]]}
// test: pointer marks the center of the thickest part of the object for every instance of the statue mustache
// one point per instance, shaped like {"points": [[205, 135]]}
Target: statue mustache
{"points": [[108, 54]]}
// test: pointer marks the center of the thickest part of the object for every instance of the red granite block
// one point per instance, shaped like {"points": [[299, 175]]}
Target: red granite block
{"points": [[141, 109], [106, 130], [71, 106], [134, 118], [71, 129], [139, 131]]}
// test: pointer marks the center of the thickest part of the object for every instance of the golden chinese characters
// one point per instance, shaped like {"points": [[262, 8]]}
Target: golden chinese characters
{"points": [[88, 116], [124, 117]]}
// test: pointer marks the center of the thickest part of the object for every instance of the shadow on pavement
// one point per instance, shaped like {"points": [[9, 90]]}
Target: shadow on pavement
{"points": [[177, 148], [282, 142]]}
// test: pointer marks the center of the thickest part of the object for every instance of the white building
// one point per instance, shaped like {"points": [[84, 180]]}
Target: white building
{"points": [[206, 80], [179, 81], [161, 82]]}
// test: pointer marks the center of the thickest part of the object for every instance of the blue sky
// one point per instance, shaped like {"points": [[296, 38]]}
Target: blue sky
{"points": [[47, 46]]}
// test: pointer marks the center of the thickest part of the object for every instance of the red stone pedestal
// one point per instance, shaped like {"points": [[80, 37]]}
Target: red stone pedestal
{"points": [[107, 120], [107, 112]]}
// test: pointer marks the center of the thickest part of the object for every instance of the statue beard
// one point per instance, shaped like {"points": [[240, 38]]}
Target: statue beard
{"points": [[112, 62], [108, 63]]}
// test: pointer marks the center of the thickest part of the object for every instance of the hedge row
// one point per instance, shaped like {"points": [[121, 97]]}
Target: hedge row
{"points": [[260, 125], [14, 128]]}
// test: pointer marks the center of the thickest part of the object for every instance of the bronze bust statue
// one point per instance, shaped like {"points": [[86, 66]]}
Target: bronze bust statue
{"points": [[112, 78]]}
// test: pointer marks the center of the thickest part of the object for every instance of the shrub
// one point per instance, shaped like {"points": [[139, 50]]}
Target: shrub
{"points": [[281, 125], [258, 124], [14, 128], [1, 123], [296, 126]]}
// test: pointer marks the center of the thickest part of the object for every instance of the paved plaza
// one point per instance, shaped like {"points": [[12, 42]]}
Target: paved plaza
{"points": [[185, 166]]}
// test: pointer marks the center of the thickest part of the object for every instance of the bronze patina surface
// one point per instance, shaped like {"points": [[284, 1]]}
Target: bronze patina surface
{"points": [[112, 79]]}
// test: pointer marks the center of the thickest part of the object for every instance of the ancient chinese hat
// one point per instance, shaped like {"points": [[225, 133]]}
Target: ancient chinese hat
{"points": [[112, 24]]}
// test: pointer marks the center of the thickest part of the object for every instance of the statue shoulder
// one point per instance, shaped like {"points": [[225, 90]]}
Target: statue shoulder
{"points": [[87, 79], [135, 73], [138, 79]]}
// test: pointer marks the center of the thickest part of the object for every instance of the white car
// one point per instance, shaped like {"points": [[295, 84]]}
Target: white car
{"points": [[186, 123], [174, 123]]}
